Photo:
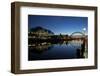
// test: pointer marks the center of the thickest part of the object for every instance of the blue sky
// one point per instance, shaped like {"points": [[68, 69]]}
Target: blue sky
{"points": [[59, 24]]}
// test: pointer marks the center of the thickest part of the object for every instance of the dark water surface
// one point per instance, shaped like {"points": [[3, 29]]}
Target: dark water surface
{"points": [[48, 51]]}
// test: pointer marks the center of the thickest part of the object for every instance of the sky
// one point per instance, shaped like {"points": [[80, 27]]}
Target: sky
{"points": [[59, 24]]}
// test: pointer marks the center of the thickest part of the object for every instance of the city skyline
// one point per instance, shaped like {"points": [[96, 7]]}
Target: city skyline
{"points": [[59, 24]]}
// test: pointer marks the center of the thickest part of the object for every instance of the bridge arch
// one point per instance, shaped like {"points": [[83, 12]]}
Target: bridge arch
{"points": [[77, 33]]}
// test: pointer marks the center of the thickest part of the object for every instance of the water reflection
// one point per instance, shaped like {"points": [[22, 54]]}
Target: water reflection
{"points": [[57, 50], [40, 48]]}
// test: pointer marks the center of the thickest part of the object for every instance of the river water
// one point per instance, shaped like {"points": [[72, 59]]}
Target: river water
{"points": [[49, 51]]}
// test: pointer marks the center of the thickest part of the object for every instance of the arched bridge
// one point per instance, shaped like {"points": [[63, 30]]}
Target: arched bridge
{"points": [[77, 33]]}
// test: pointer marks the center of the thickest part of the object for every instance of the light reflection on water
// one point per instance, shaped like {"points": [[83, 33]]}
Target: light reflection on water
{"points": [[61, 50]]}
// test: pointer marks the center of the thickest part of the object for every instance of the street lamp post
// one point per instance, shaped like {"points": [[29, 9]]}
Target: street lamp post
{"points": [[84, 29], [85, 42]]}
